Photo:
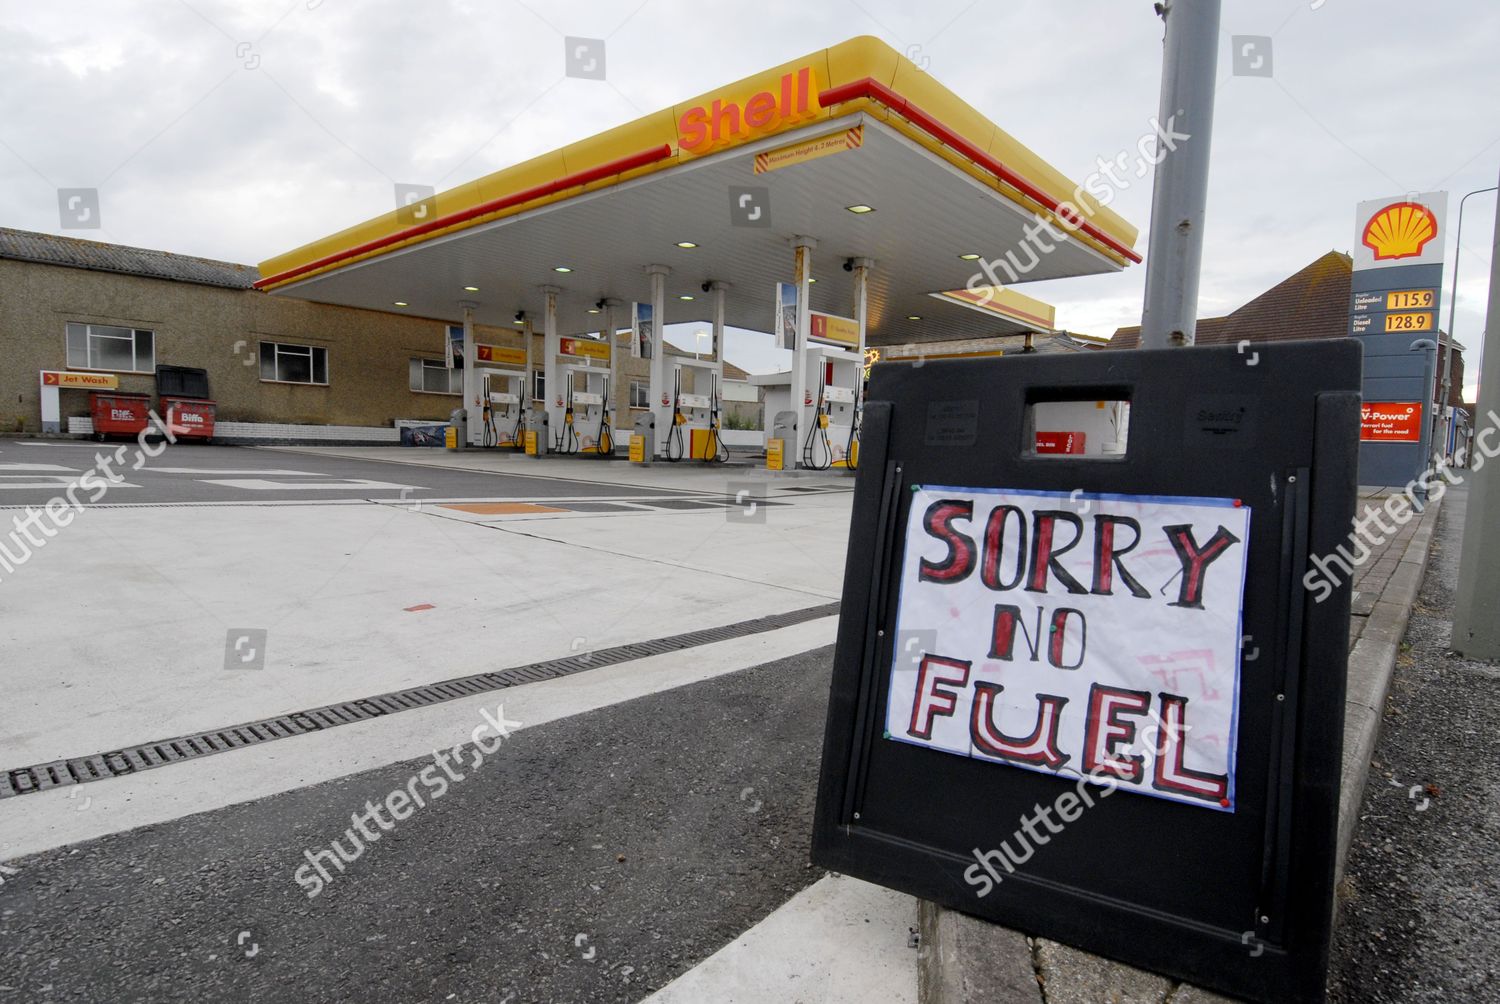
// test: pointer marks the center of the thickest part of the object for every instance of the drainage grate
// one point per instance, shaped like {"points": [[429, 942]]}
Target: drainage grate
{"points": [[78, 770]]}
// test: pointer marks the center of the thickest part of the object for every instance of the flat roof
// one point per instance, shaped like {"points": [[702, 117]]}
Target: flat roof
{"points": [[853, 125]]}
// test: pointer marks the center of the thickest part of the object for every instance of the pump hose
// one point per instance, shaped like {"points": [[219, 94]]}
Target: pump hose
{"points": [[674, 434], [714, 450], [604, 445], [849, 453], [817, 433], [674, 438], [491, 435]]}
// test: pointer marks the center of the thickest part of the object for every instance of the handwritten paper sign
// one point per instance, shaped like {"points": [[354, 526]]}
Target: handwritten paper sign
{"points": [[1074, 634]]}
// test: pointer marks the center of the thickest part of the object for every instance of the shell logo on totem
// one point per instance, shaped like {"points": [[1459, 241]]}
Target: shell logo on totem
{"points": [[1400, 230]]}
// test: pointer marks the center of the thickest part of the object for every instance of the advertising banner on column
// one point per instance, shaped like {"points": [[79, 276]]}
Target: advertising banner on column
{"points": [[1089, 636], [642, 332], [455, 347], [786, 315]]}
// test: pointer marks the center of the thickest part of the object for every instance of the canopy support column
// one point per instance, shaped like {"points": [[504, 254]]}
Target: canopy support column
{"points": [[472, 390], [661, 393], [552, 382]]}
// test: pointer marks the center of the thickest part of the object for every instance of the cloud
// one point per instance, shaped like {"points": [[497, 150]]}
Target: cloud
{"points": [[196, 150]]}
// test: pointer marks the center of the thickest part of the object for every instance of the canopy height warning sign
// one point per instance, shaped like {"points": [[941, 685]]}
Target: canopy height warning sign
{"points": [[1080, 635]]}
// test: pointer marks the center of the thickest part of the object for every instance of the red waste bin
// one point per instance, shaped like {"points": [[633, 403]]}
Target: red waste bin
{"points": [[119, 414], [189, 418]]}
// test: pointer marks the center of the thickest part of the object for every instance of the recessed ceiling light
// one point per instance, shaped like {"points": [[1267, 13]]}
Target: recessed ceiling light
{"points": [[685, 296], [686, 244], [471, 289], [812, 280], [518, 321], [971, 256], [593, 310], [401, 303], [913, 317], [561, 268], [860, 209]]}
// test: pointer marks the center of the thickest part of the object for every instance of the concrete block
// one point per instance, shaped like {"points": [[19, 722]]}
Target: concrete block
{"points": [[1371, 662], [1073, 977], [964, 959]]}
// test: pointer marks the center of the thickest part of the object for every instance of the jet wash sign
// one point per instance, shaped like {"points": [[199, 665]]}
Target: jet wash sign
{"points": [[1080, 635]]}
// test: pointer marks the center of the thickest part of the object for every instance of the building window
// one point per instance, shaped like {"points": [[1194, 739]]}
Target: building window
{"points": [[539, 385], [640, 394], [432, 376], [281, 363], [104, 347]]}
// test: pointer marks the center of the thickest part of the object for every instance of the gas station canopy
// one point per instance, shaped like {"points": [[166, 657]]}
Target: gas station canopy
{"points": [[853, 146]]}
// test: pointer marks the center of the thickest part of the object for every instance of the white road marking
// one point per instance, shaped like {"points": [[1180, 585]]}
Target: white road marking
{"points": [[36, 467], [227, 471], [264, 485], [52, 481]]}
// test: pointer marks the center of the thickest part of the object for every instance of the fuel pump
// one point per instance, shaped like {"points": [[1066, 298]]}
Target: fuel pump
{"points": [[694, 430], [851, 450], [503, 408], [817, 448], [586, 428], [491, 439], [674, 434], [604, 443], [714, 451], [567, 436], [829, 417]]}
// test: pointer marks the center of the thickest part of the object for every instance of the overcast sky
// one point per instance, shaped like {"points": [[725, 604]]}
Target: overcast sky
{"points": [[238, 130]]}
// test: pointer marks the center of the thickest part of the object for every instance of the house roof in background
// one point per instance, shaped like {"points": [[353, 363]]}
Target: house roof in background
{"points": [[1313, 303], [71, 252]]}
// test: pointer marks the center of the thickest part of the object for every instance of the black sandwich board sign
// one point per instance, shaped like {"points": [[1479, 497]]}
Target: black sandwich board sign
{"points": [[1100, 697]]}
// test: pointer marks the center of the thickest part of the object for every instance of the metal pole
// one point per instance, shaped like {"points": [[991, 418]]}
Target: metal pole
{"points": [[718, 286], [1458, 250], [1476, 609], [802, 272], [528, 392], [1179, 194], [862, 268]]}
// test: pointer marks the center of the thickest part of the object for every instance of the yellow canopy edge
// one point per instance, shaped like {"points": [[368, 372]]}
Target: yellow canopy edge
{"points": [[853, 60]]}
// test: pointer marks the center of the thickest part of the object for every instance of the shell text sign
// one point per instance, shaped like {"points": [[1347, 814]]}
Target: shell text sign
{"points": [[1400, 230]]}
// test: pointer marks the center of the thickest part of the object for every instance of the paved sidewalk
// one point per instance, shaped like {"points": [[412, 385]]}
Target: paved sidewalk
{"points": [[1420, 901]]}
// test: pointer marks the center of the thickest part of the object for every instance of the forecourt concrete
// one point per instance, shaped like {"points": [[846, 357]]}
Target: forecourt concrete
{"points": [[117, 625]]}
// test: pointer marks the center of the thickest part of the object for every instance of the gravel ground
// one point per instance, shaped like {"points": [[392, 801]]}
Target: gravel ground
{"points": [[1420, 914], [591, 859]]}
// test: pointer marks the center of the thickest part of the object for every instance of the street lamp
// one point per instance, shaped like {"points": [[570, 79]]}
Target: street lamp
{"points": [[1458, 249]]}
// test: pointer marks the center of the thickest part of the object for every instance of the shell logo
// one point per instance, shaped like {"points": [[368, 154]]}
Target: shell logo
{"points": [[1400, 230]]}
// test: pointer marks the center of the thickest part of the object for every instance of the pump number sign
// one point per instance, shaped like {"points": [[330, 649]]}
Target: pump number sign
{"points": [[1093, 636]]}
